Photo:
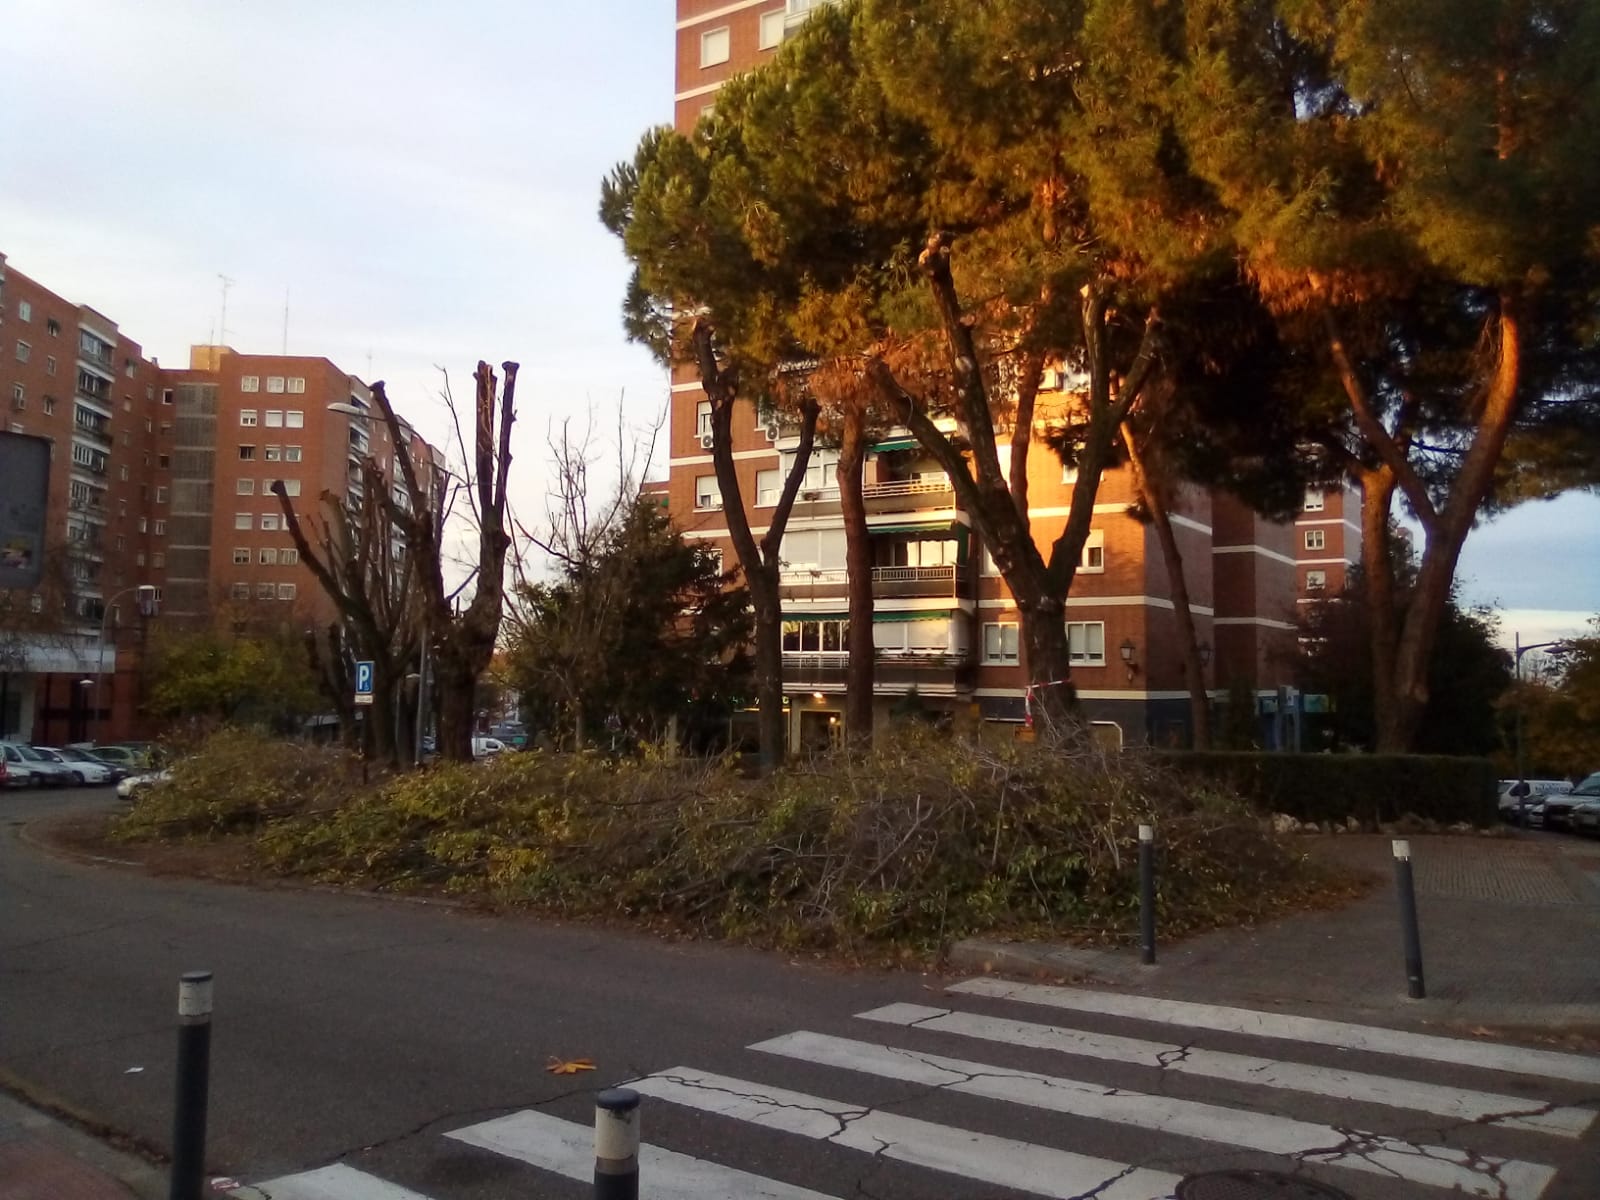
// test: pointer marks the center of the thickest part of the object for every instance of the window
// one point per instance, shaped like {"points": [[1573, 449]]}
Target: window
{"points": [[250, 383], [241, 591], [23, 350], [1314, 501], [714, 47], [275, 383], [244, 521], [269, 521], [1069, 473], [19, 397], [769, 485], [291, 454], [290, 486], [288, 557], [49, 364], [1094, 553], [272, 453], [160, 528], [1086, 643], [1000, 642], [814, 550], [122, 474], [158, 559], [138, 559], [49, 405], [166, 398], [164, 462], [772, 29], [269, 557], [822, 472], [813, 637], [707, 495], [297, 385], [274, 418], [24, 311], [246, 453], [161, 495], [127, 367], [241, 556], [286, 591], [244, 487], [52, 327], [702, 418], [264, 591], [1316, 539], [247, 417], [295, 419], [1316, 581], [987, 565], [149, 425], [144, 525]]}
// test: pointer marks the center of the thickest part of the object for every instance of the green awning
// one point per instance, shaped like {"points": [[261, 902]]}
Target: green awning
{"points": [[808, 615], [912, 614], [905, 443], [927, 529]]}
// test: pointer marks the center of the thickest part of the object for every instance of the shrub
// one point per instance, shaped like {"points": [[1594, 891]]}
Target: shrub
{"points": [[1373, 788], [235, 779], [928, 838]]}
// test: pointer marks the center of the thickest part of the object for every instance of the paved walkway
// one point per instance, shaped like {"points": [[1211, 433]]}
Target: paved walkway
{"points": [[1509, 930], [43, 1159]]}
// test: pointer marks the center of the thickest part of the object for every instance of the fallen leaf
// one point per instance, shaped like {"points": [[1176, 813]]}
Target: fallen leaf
{"points": [[558, 1066]]}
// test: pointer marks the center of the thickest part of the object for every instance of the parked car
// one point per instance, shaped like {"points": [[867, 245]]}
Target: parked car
{"points": [[115, 772], [1558, 808], [1516, 795], [134, 784], [51, 772], [1585, 818], [82, 768], [487, 747], [118, 756], [18, 771]]}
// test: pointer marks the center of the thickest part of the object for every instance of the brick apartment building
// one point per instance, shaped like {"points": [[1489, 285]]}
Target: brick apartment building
{"points": [[944, 624], [159, 478], [1327, 540]]}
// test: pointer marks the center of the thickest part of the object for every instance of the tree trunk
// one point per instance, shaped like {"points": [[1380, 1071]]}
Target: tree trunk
{"points": [[764, 598], [457, 685], [859, 676], [1194, 672], [1052, 700], [1377, 569]]}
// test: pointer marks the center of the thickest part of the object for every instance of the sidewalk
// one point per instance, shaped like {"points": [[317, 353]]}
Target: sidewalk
{"points": [[42, 1158], [1509, 930]]}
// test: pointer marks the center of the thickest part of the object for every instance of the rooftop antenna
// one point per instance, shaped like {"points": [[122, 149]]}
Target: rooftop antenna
{"points": [[223, 322]]}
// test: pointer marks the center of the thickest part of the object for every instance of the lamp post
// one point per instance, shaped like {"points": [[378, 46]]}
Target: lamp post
{"points": [[1519, 650], [146, 591]]}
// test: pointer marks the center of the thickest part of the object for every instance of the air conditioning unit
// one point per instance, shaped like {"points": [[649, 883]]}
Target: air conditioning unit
{"points": [[705, 441], [773, 431], [809, 495]]}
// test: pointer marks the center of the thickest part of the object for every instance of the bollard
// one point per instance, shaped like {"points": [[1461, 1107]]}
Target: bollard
{"points": [[616, 1145], [194, 1070], [1147, 895], [1408, 920]]}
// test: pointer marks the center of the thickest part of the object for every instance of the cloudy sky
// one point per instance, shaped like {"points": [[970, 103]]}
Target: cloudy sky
{"points": [[422, 180]]}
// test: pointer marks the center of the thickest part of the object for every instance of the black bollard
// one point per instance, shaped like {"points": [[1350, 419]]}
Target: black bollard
{"points": [[1415, 987], [616, 1145], [193, 1085], [1147, 895]]}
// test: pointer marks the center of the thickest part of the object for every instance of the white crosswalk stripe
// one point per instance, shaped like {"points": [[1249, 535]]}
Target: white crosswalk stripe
{"points": [[1436, 1166], [1248, 1118]]}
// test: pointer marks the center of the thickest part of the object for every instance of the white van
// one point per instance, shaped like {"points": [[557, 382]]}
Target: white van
{"points": [[1518, 794]]}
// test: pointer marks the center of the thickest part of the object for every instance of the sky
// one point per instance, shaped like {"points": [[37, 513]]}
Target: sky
{"points": [[421, 179]]}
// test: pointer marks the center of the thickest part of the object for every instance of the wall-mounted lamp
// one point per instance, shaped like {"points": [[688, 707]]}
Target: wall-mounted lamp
{"points": [[1128, 650]]}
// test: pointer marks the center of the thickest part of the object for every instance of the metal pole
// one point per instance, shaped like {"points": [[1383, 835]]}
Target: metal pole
{"points": [[422, 693], [1415, 988], [616, 1145], [1516, 662], [1147, 895], [194, 1069]]}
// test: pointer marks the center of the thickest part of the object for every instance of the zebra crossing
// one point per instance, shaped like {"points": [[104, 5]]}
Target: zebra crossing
{"points": [[882, 1095]]}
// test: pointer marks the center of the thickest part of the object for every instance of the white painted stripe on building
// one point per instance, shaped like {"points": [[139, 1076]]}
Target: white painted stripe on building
{"points": [[1354, 1149], [1487, 1056], [703, 90], [1190, 523], [694, 385], [1065, 510], [340, 1182], [1317, 562], [567, 1148], [1261, 550], [725, 10], [1454, 1103], [1001, 1161], [1264, 622], [1303, 522], [705, 460]]}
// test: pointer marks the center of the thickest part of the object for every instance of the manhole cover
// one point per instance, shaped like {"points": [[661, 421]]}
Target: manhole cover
{"points": [[1253, 1185]]}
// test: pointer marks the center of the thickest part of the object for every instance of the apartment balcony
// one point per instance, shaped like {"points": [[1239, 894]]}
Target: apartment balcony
{"points": [[894, 670], [888, 583], [910, 495], [100, 435]]}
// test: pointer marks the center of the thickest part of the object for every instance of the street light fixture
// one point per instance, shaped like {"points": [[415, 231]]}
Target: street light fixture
{"points": [[147, 591], [1555, 648]]}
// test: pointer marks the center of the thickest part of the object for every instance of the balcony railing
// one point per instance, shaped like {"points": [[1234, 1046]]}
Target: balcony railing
{"points": [[890, 666], [909, 495], [888, 583]]}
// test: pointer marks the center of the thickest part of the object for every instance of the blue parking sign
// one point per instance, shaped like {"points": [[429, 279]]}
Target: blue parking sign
{"points": [[364, 675]]}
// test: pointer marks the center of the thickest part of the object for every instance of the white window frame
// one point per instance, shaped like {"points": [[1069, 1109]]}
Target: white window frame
{"points": [[275, 384], [288, 556], [1314, 501], [296, 384], [1091, 631], [1316, 539], [769, 487], [266, 591], [247, 453], [1001, 658], [294, 418], [286, 591], [1316, 580], [269, 522], [244, 487], [290, 486], [707, 495], [247, 416], [241, 591], [160, 528], [23, 350], [241, 556], [244, 520], [716, 47], [1094, 546], [268, 556], [161, 495], [49, 364], [702, 418], [24, 311], [250, 383], [271, 453], [272, 418], [772, 28], [291, 454]]}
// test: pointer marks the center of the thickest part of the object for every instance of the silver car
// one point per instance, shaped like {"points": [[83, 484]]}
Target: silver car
{"points": [[83, 768], [19, 771], [52, 772]]}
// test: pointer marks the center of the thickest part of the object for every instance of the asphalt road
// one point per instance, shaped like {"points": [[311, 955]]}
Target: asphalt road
{"points": [[360, 1031]]}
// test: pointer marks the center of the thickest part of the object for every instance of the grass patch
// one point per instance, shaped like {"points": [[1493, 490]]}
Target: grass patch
{"points": [[927, 839]]}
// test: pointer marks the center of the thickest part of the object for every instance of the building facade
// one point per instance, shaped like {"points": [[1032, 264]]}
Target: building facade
{"points": [[161, 479], [1327, 543]]}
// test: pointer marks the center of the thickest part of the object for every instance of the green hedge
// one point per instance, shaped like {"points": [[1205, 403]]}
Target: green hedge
{"points": [[1373, 788]]}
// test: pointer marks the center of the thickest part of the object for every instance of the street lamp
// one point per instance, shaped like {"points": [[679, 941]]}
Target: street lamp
{"points": [[1555, 648], [146, 591]]}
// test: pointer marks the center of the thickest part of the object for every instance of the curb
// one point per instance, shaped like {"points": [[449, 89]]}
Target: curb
{"points": [[56, 1123]]}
